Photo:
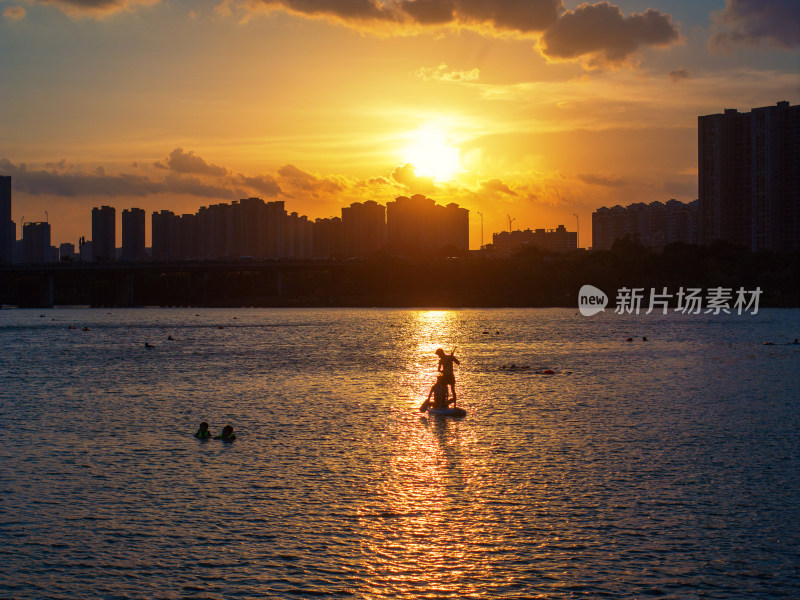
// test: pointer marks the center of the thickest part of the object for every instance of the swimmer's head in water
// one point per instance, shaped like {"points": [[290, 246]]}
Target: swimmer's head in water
{"points": [[203, 426]]}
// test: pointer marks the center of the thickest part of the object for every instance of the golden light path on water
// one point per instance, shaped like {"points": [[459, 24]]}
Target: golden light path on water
{"points": [[422, 538]]}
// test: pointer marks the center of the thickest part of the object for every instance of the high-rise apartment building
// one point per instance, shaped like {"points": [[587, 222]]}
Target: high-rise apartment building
{"points": [[36, 243], [164, 240], [104, 233], [364, 229], [749, 177], [133, 234], [328, 238], [8, 229], [418, 227], [298, 241]]}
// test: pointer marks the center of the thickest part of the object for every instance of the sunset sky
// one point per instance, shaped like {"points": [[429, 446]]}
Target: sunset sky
{"points": [[537, 109]]}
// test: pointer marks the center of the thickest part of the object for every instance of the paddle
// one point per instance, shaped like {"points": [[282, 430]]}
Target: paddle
{"points": [[453, 353]]}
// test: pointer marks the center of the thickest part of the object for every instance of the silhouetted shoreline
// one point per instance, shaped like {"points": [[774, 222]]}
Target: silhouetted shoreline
{"points": [[529, 279]]}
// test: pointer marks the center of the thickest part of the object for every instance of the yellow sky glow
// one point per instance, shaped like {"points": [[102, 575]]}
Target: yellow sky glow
{"points": [[176, 105], [432, 155]]}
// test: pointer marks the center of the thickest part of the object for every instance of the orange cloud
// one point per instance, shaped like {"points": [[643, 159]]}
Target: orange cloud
{"points": [[407, 176], [14, 13], [592, 179], [496, 185], [95, 8], [441, 73]]}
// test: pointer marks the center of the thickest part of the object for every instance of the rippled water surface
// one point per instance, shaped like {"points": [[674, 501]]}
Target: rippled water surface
{"points": [[666, 468]]}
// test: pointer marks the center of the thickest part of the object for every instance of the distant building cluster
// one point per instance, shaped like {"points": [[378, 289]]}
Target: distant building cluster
{"points": [[506, 243], [653, 225], [415, 227]]}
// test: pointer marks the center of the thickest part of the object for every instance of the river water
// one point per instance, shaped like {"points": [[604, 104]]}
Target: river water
{"points": [[662, 468]]}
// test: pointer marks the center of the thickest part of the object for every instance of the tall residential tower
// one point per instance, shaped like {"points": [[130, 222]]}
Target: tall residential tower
{"points": [[749, 177], [8, 230], [104, 238]]}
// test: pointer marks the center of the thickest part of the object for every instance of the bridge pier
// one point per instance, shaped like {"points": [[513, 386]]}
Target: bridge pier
{"points": [[35, 291]]}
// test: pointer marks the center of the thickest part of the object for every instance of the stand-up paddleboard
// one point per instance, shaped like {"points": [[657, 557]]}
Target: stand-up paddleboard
{"points": [[448, 412]]}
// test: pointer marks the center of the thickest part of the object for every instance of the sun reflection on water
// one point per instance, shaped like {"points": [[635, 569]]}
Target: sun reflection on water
{"points": [[427, 331], [417, 514]]}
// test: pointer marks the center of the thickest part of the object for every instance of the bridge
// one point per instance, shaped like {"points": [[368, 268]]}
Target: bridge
{"points": [[212, 283]]}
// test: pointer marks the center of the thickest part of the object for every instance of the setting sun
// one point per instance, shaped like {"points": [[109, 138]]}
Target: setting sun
{"points": [[432, 155]]}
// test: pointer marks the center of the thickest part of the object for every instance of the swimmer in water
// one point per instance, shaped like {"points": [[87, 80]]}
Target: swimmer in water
{"points": [[203, 433], [227, 434]]}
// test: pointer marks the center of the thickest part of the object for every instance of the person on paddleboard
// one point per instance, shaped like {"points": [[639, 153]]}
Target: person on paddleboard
{"points": [[446, 368], [439, 393]]}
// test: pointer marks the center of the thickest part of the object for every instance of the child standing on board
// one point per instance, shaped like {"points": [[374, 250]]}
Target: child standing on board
{"points": [[445, 366]]}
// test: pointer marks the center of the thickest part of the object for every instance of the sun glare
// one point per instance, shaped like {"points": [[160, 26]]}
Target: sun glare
{"points": [[432, 155]]}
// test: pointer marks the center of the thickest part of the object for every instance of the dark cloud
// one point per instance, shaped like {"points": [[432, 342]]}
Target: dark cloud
{"points": [[685, 187], [194, 186], [497, 185], [429, 12], [601, 33], [680, 74], [505, 15], [189, 163], [774, 22], [72, 183], [308, 183], [511, 15], [39, 182], [343, 9], [265, 184], [600, 180]]}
